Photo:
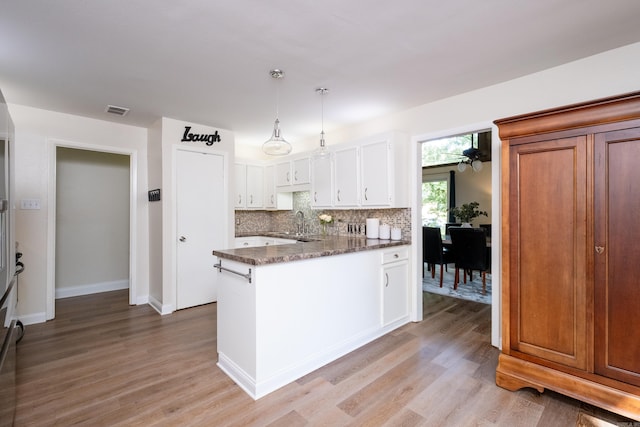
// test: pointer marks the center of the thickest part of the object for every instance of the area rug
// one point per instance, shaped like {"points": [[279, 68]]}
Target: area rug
{"points": [[472, 290]]}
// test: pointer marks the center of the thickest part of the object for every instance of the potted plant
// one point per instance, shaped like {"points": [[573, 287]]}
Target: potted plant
{"points": [[467, 212]]}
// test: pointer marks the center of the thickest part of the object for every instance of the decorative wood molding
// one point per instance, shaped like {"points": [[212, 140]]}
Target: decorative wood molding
{"points": [[602, 111]]}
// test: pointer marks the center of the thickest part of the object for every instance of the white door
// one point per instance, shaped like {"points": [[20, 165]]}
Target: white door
{"points": [[201, 225]]}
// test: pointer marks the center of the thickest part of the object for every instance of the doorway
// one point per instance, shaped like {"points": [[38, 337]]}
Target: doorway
{"points": [[97, 193], [92, 222], [485, 191]]}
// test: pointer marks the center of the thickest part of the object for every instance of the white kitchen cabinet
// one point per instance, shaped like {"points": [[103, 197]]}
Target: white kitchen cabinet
{"points": [[395, 285], [292, 173], [321, 182], [300, 170], [270, 194], [274, 199], [346, 174], [249, 186], [262, 349], [283, 174], [376, 177], [384, 178], [255, 187], [240, 194]]}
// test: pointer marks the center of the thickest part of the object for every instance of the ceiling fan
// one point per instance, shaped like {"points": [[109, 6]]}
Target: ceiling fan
{"points": [[471, 157]]}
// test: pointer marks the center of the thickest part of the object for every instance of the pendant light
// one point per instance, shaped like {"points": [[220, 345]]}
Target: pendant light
{"points": [[322, 152], [276, 145]]}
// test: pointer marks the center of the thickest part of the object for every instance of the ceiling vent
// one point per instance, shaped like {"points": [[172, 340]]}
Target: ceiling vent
{"points": [[118, 111]]}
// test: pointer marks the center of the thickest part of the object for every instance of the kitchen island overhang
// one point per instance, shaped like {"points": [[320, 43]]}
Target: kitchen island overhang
{"points": [[280, 320]]}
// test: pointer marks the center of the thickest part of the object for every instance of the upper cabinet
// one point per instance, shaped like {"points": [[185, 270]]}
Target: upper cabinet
{"points": [[322, 182], [270, 187], [376, 163], [249, 186], [240, 194], [368, 173], [372, 173], [273, 199], [346, 177], [293, 175]]}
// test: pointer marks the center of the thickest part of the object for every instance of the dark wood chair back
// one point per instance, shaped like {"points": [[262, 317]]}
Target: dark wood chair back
{"points": [[449, 225], [431, 245], [470, 248]]}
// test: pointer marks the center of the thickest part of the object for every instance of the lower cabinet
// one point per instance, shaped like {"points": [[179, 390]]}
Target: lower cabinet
{"points": [[279, 321], [395, 289]]}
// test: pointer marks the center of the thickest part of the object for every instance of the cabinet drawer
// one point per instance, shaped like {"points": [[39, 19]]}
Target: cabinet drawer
{"points": [[396, 254]]}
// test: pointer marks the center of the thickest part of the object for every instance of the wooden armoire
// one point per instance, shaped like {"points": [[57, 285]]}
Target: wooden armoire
{"points": [[571, 252]]}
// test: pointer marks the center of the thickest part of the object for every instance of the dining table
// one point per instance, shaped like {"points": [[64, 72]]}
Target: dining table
{"points": [[446, 241]]}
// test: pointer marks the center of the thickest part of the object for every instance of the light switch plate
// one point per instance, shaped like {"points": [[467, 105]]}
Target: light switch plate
{"points": [[30, 204]]}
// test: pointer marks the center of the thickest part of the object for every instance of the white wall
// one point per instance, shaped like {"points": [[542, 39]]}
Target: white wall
{"points": [[154, 152], [37, 133], [170, 136]]}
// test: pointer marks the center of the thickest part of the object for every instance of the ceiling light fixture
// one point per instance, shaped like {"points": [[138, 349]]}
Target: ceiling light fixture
{"points": [[473, 159], [276, 145], [322, 152]]}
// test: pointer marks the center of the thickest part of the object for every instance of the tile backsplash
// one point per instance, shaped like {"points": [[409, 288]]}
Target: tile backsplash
{"points": [[286, 221]]}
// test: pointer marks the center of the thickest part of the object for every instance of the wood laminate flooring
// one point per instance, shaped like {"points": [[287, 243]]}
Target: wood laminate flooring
{"points": [[102, 362]]}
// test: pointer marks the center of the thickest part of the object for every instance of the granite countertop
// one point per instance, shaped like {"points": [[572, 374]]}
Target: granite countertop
{"points": [[319, 246]]}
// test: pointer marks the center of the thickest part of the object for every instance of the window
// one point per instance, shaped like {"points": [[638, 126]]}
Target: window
{"points": [[447, 151], [435, 196]]}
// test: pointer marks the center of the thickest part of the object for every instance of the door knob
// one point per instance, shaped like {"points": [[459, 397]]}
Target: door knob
{"points": [[183, 239], [599, 249]]}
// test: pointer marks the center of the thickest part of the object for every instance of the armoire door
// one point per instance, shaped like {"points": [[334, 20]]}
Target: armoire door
{"points": [[547, 230], [617, 258]]}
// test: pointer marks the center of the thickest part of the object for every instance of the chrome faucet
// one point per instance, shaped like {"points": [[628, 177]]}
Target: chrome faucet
{"points": [[300, 222]]}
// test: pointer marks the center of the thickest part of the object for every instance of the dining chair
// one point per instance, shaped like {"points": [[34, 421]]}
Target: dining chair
{"points": [[433, 252], [486, 228], [470, 253], [449, 225]]}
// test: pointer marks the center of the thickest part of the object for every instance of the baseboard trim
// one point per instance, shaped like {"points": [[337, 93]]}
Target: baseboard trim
{"points": [[91, 288], [32, 319], [159, 307]]}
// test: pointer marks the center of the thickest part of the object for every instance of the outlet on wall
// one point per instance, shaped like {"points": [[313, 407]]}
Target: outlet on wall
{"points": [[30, 204]]}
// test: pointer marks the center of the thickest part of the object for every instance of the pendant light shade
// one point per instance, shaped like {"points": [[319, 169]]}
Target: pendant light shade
{"points": [[276, 145], [322, 152]]}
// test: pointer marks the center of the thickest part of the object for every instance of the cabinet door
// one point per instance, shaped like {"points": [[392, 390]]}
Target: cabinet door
{"points": [[283, 174], [547, 257], [321, 189], [617, 255], [300, 171], [346, 173], [376, 174], [395, 293], [255, 186], [240, 198], [270, 187]]}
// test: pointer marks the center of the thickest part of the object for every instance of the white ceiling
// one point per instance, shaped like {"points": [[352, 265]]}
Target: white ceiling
{"points": [[208, 61]]}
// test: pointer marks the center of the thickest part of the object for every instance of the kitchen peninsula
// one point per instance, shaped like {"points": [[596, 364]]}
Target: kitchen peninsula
{"points": [[286, 310]]}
